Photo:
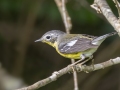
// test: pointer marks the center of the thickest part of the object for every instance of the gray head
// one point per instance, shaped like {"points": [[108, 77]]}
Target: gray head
{"points": [[51, 36]]}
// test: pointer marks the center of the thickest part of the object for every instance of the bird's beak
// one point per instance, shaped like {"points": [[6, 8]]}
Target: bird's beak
{"points": [[38, 40]]}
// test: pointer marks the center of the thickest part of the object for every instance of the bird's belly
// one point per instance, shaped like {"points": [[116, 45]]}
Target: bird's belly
{"points": [[71, 56]]}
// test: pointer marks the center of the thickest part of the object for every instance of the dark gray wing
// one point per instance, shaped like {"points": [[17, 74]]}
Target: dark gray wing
{"points": [[76, 45]]}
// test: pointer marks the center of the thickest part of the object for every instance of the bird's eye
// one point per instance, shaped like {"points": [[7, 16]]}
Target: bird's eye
{"points": [[48, 37]]}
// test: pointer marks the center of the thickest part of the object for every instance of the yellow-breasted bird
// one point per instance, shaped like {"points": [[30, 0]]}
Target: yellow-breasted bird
{"points": [[73, 46]]}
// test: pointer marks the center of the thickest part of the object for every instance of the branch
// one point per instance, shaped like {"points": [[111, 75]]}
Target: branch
{"points": [[67, 69], [68, 25], [66, 18], [101, 6]]}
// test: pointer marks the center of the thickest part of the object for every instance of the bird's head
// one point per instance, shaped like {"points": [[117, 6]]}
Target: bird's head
{"points": [[50, 37]]}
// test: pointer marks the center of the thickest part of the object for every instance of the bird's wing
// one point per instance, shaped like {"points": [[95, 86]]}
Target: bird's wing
{"points": [[76, 44]]}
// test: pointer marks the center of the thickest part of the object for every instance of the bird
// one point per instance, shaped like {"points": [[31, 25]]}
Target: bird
{"points": [[73, 46]]}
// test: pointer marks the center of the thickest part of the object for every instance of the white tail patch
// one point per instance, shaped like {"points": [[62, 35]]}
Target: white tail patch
{"points": [[95, 42]]}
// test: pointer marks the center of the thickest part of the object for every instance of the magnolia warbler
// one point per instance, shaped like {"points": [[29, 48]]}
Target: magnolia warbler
{"points": [[73, 46]]}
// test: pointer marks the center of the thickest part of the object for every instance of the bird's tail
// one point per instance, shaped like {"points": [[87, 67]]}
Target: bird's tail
{"points": [[100, 39]]}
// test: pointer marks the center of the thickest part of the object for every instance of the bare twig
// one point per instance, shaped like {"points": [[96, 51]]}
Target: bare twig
{"points": [[68, 25], [103, 7], [75, 77], [85, 4], [67, 69], [66, 18]]}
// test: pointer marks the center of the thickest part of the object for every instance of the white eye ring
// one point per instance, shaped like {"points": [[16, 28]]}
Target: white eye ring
{"points": [[48, 37]]}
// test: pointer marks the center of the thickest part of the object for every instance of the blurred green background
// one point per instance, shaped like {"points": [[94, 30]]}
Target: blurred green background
{"points": [[24, 21]]}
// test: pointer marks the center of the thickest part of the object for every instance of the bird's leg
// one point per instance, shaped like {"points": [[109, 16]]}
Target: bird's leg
{"points": [[88, 60], [72, 65], [82, 58], [93, 63]]}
